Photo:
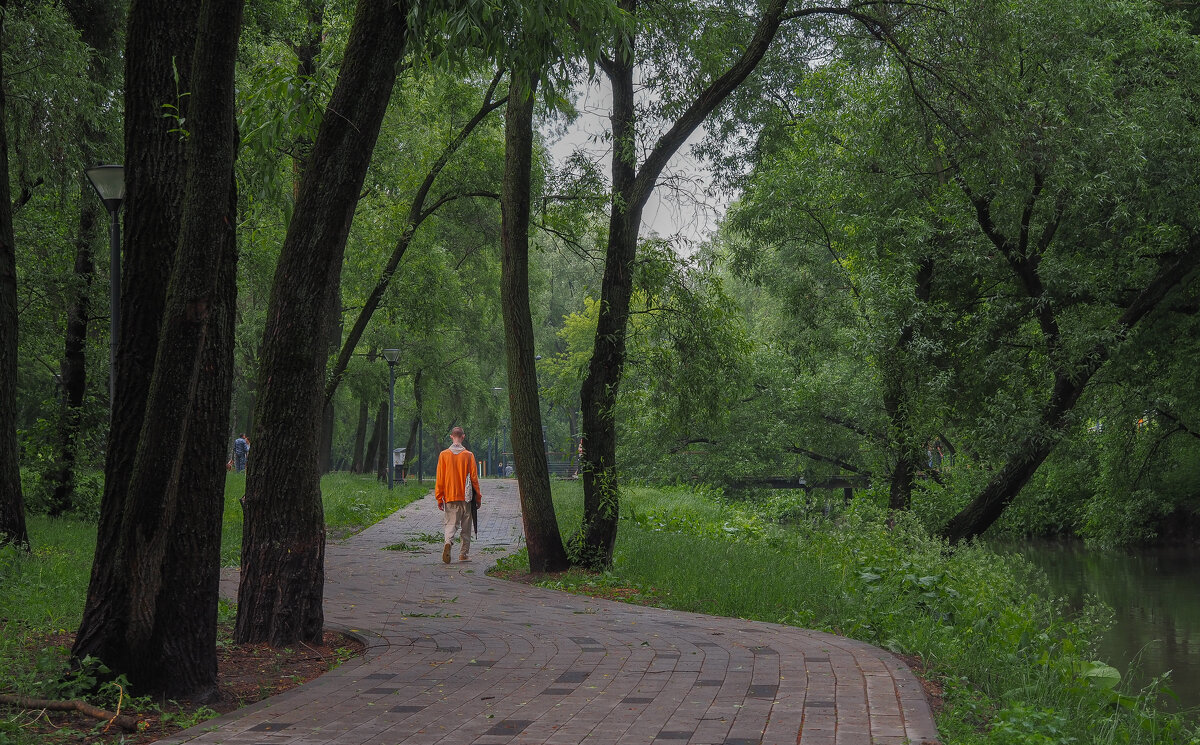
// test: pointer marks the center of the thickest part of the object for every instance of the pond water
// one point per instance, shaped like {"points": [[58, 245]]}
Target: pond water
{"points": [[1155, 596]]}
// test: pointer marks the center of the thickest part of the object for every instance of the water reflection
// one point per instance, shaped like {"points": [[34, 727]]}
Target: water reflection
{"points": [[1153, 594]]}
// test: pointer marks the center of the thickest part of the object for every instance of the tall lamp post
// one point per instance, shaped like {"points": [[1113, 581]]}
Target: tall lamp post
{"points": [[392, 356], [109, 183]]}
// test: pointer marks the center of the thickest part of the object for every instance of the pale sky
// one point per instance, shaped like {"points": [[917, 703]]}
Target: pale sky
{"points": [[678, 209]]}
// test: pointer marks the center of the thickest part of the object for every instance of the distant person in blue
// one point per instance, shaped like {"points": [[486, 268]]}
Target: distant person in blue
{"points": [[241, 449]]}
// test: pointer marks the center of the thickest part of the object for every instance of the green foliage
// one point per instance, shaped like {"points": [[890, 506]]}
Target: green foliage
{"points": [[351, 503], [1014, 662]]}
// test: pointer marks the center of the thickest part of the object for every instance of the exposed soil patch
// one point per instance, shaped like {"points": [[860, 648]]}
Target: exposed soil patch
{"points": [[246, 673], [933, 690]]}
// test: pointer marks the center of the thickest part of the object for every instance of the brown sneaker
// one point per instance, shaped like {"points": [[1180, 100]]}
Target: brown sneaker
{"points": [[446, 554], [463, 557]]}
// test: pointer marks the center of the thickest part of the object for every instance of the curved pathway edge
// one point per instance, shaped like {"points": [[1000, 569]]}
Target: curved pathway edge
{"points": [[456, 657]]}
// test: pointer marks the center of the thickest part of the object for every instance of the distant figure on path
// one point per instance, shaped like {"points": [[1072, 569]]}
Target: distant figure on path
{"points": [[241, 449], [457, 485]]}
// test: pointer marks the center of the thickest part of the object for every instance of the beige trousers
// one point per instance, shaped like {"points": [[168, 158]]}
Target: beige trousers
{"points": [[458, 516]]}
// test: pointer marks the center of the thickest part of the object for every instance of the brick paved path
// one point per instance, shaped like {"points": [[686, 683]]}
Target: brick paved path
{"points": [[456, 657]]}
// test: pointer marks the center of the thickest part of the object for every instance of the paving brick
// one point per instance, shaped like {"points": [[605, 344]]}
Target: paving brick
{"points": [[456, 657]]}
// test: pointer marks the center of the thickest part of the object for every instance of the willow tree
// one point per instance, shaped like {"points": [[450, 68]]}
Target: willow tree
{"points": [[632, 184], [151, 609], [283, 546]]}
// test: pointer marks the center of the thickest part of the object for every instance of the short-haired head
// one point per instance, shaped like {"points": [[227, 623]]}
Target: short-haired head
{"points": [[457, 434]]}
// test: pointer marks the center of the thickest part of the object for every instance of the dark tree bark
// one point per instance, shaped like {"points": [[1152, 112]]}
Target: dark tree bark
{"points": [[371, 462], [60, 478], [12, 504], [593, 545], [546, 552], [898, 369], [158, 46], [384, 458], [160, 628], [325, 440], [283, 546], [410, 445], [360, 437]]}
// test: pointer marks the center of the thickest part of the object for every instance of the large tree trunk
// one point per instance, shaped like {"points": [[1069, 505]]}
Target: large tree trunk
{"points": [[546, 552], [158, 47], [160, 630], [12, 505], [283, 546], [360, 436], [60, 479], [593, 546]]}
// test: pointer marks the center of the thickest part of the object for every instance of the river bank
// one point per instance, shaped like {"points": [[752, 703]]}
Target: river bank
{"points": [[1016, 666], [1156, 609]]}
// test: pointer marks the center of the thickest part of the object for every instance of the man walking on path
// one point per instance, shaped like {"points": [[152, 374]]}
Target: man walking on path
{"points": [[457, 486]]}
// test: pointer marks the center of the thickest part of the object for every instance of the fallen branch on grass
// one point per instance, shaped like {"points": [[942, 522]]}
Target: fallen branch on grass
{"points": [[124, 721]]}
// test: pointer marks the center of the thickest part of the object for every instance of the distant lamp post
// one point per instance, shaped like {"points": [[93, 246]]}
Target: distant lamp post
{"points": [[392, 356], [109, 183]]}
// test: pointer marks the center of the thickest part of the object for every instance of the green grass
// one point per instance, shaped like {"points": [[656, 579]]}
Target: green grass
{"points": [[1017, 668], [351, 502], [42, 592]]}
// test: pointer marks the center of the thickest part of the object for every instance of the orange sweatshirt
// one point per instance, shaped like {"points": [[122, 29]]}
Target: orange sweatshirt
{"points": [[455, 465]]}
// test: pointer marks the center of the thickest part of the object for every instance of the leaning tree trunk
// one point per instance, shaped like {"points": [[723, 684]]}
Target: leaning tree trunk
{"points": [[542, 537], [333, 337], [632, 187], [283, 546], [12, 505], [1006, 483], [158, 48], [162, 625], [61, 477], [417, 214]]}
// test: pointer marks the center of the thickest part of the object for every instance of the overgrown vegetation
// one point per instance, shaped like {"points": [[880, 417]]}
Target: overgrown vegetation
{"points": [[1015, 665], [42, 593]]}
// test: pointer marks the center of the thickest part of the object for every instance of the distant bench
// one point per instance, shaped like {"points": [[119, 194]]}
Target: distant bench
{"points": [[846, 483]]}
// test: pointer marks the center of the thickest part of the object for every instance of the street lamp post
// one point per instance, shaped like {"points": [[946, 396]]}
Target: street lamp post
{"points": [[109, 183], [392, 356]]}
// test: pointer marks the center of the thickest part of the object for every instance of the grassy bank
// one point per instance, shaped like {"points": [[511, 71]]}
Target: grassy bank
{"points": [[1015, 666], [42, 593]]}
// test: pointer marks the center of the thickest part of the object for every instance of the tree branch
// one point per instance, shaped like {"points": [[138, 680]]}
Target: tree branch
{"points": [[826, 459], [417, 214]]}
